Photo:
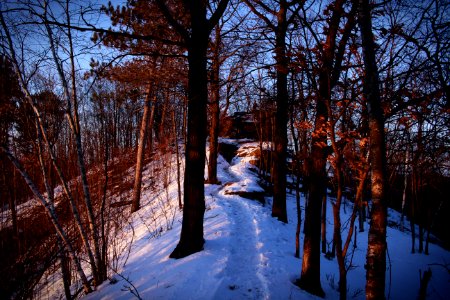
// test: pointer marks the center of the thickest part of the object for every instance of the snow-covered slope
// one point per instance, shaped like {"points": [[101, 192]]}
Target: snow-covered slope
{"points": [[248, 254]]}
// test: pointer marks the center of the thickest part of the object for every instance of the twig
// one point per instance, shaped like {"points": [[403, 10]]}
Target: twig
{"points": [[131, 288]]}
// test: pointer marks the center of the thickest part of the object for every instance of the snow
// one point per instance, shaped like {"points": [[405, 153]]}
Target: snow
{"points": [[248, 254]]}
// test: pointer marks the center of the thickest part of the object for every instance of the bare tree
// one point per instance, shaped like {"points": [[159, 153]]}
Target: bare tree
{"points": [[278, 18], [376, 250], [330, 60], [146, 128], [196, 37]]}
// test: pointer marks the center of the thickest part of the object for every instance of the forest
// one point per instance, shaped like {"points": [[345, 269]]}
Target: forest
{"points": [[137, 112]]}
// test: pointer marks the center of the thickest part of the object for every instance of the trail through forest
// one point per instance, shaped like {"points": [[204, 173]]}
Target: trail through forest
{"points": [[250, 255], [243, 274]]}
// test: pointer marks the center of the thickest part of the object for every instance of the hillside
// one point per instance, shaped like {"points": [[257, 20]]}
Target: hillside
{"points": [[248, 254]]}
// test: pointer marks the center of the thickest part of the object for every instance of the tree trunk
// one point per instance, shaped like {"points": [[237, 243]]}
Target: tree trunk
{"points": [[191, 239], [65, 268], [215, 109], [324, 226], [424, 280], [359, 200], [281, 118], [12, 208], [376, 250], [427, 241], [177, 153], [296, 171], [147, 115], [405, 186], [299, 216], [104, 234], [310, 274], [413, 226], [337, 238]]}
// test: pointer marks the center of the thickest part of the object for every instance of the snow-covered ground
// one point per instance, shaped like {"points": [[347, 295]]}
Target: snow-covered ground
{"points": [[248, 254]]}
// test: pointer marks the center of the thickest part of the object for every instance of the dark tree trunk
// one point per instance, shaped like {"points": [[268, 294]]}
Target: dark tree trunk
{"points": [[324, 226], [281, 118], [419, 183], [299, 216], [337, 238], [310, 275], [427, 241], [104, 234], [413, 228], [361, 216], [376, 250], [421, 232], [424, 280], [296, 171], [177, 153], [191, 239], [359, 199], [65, 268], [215, 110], [196, 38], [12, 205]]}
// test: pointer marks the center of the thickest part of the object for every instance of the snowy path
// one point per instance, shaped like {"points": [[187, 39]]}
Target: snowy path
{"points": [[258, 251], [242, 276]]}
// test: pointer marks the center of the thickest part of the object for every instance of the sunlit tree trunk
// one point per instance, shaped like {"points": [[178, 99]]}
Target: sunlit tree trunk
{"points": [[328, 73], [149, 108]]}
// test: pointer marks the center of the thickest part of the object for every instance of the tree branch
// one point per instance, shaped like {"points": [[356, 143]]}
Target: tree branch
{"points": [[168, 15], [217, 14]]}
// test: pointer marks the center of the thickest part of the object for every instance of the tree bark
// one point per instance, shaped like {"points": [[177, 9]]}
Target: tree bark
{"points": [[279, 136], [147, 115], [328, 74], [424, 280], [191, 239], [215, 109], [65, 268], [196, 38], [405, 188], [296, 171], [310, 274], [177, 153], [281, 117], [323, 226], [376, 250], [12, 208]]}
